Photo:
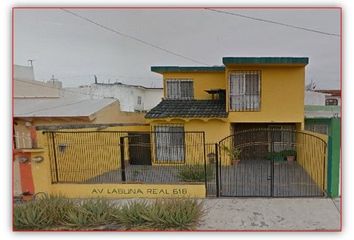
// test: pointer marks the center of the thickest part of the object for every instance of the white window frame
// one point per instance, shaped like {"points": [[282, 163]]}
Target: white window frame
{"points": [[177, 92], [239, 99], [166, 148]]}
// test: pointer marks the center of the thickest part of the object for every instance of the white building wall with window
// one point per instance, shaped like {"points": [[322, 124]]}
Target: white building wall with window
{"points": [[315, 98], [131, 97]]}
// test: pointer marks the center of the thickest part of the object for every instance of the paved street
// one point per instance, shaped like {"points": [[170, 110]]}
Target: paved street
{"points": [[271, 214]]}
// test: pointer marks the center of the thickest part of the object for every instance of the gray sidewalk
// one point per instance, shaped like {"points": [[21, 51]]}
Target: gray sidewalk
{"points": [[271, 214]]}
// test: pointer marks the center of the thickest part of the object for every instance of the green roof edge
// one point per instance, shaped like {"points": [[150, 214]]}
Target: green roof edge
{"points": [[163, 69], [265, 60]]}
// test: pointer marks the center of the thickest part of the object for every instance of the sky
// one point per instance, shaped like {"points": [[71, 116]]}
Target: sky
{"points": [[74, 50]]}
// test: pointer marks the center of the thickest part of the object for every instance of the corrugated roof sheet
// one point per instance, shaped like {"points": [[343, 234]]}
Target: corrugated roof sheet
{"points": [[188, 109], [59, 107]]}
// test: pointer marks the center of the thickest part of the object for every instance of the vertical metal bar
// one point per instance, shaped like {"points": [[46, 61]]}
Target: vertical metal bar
{"points": [[272, 162], [324, 168], [55, 157], [205, 167], [122, 163], [217, 170]]}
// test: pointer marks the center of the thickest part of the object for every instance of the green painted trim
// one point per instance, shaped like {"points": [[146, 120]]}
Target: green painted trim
{"points": [[329, 167], [265, 60], [165, 69]]}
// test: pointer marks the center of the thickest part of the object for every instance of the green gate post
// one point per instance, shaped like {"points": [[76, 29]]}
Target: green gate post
{"points": [[333, 158]]}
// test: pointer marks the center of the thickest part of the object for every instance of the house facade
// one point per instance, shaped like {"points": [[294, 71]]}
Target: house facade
{"points": [[246, 93], [255, 105]]}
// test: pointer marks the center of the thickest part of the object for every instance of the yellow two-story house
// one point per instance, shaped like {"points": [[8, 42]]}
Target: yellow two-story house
{"points": [[244, 93]]}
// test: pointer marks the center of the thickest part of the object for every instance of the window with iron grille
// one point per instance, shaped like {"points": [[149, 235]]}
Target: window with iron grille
{"points": [[245, 90], [281, 137], [179, 89], [319, 128], [169, 142], [22, 140]]}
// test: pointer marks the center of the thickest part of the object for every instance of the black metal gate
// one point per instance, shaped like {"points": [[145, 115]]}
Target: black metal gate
{"points": [[271, 163], [139, 148]]}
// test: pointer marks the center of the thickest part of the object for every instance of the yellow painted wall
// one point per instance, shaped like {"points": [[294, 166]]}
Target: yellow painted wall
{"points": [[41, 172], [201, 81], [215, 129], [113, 114], [312, 155], [282, 95], [130, 190]]}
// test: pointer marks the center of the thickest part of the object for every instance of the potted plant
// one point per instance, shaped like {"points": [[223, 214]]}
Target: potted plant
{"points": [[234, 153], [290, 155]]}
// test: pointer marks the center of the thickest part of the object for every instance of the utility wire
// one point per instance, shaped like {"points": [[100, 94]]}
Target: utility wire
{"points": [[132, 37], [274, 22]]}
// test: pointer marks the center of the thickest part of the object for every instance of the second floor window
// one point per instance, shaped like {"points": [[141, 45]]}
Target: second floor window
{"points": [[245, 90], [179, 89]]}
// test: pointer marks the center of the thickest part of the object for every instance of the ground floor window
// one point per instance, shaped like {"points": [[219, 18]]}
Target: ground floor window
{"points": [[282, 138], [22, 139], [169, 142], [318, 128]]}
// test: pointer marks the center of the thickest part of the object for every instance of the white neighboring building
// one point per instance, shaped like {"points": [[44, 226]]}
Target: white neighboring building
{"points": [[315, 98], [323, 97], [132, 98]]}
